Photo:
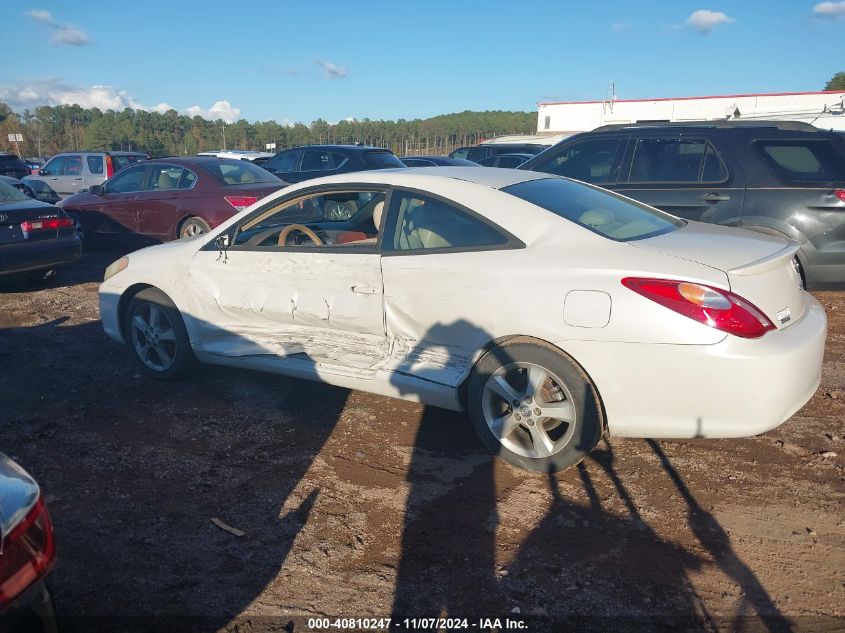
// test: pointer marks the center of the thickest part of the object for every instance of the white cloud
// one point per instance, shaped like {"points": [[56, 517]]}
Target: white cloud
{"points": [[618, 27], [42, 16], [65, 34], [218, 110], [333, 71], [830, 9], [53, 92], [72, 36], [704, 20]]}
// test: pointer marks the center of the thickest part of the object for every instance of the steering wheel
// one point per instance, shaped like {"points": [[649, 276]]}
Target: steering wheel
{"points": [[290, 228]]}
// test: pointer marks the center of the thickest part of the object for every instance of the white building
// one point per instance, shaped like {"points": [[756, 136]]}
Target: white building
{"points": [[823, 109]]}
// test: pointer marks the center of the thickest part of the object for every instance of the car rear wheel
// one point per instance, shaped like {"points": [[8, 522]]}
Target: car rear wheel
{"points": [[534, 406], [192, 227], [156, 336], [79, 228]]}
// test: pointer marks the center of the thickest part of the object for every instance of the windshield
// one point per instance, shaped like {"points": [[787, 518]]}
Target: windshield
{"points": [[237, 172], [602, 212], [9, 194]]}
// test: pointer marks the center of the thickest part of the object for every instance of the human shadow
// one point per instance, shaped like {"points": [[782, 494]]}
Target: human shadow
{"points": [[716, 541], [134, 470], [584, 566]]}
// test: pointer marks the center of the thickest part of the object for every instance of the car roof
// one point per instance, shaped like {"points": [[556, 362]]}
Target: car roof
{"points": [[197, 160], [353, 148], [737, 124], [493, 177]]}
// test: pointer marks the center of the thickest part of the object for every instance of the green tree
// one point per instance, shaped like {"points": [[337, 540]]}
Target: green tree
{"points": [[837, 82]]}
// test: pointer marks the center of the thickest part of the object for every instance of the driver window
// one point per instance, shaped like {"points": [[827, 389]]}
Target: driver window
{"points": [[128, 180], [348, 218]]}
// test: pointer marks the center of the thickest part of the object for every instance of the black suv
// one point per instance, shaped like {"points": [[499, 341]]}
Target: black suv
{"points": [[780, 178], [11, 165], [313, 161]]}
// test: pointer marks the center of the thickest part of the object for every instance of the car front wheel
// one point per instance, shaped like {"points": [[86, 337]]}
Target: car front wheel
{"points": [[156, 336], [534, 406]]}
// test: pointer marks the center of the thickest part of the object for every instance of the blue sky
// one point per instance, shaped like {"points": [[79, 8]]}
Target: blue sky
{"points": [[299, 61]]}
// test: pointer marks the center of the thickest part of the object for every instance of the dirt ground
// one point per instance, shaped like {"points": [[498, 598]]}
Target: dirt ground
{"points": [[356, 505]]}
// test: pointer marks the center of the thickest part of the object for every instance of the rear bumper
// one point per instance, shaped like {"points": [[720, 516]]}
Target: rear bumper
{"points": [[29, 256], [735, 388], [32, 612]]}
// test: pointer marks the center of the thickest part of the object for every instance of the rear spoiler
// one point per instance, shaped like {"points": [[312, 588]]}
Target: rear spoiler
{"points": [[769, 262]]}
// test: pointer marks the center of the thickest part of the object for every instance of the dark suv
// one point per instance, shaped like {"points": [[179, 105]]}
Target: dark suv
{"points": [[11, 165], [313, 161], [780, 178]]}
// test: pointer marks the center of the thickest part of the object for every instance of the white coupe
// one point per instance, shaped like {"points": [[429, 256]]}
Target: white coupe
{"points": [[551, 310]]}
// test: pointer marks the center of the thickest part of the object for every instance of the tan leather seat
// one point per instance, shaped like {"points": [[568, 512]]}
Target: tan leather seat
{"points": [[165, 182], [378, 210]]}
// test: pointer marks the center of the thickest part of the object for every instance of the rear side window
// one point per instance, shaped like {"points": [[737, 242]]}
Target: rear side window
{"points": [[320, 160], [600, 211], [803, 161], [95, 164], [427, 223], [73, 166], [382, 160], [588, 160], [676, 160], [236, 172]]}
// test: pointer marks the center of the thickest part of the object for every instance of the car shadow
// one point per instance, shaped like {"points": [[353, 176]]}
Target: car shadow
{"points": [[90, 268], [134, 471]]}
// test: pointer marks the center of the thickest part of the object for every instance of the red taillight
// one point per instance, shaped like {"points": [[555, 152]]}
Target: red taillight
{"points": [[46, 224], [28, 552], [109, 167], [839, 193], [714, 307], [240, 202]]}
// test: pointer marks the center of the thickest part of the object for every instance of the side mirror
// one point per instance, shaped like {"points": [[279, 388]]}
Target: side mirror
{"points": [[43, 172], [97, 190]]}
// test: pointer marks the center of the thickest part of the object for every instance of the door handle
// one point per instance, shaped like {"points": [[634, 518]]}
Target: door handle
{"points": [[364, 290], [714, 197], [77, 178], [53, 178]]}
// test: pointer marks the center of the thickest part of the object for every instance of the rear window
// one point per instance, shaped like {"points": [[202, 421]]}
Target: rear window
{"points": [[9, 194], [600, 211], [237, 172], [12, 161], [804, 161], [120, 161], [382, 160]]}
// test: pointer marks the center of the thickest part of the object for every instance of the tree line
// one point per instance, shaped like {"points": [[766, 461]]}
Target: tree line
{"points": [[51, 129]]}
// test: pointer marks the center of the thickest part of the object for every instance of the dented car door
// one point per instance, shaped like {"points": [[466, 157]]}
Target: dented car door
{"points": [[320, 304]]}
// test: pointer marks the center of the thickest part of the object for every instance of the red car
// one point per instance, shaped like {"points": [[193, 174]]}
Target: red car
{"points": [[168, 198]]}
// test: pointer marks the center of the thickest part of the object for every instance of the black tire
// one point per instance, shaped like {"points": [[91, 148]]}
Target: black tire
{"points": [[570, 442], [192, 227], [166, 358], [80, 228]]}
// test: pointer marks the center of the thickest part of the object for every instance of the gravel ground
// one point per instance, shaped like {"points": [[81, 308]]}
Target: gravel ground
{"points": [[355, 505]]}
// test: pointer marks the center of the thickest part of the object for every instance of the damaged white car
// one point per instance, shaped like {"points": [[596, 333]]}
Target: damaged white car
{"points": [[549, 309]]}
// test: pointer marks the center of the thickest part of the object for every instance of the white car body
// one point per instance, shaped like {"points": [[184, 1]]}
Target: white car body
{"points": [[412, 325]]}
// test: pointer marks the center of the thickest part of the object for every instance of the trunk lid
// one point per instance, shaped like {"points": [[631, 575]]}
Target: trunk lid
{"points": [[759, 268], [13, 213]]}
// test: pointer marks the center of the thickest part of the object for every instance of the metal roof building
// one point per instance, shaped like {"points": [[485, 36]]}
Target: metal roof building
{"points": [[823, 109]]}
